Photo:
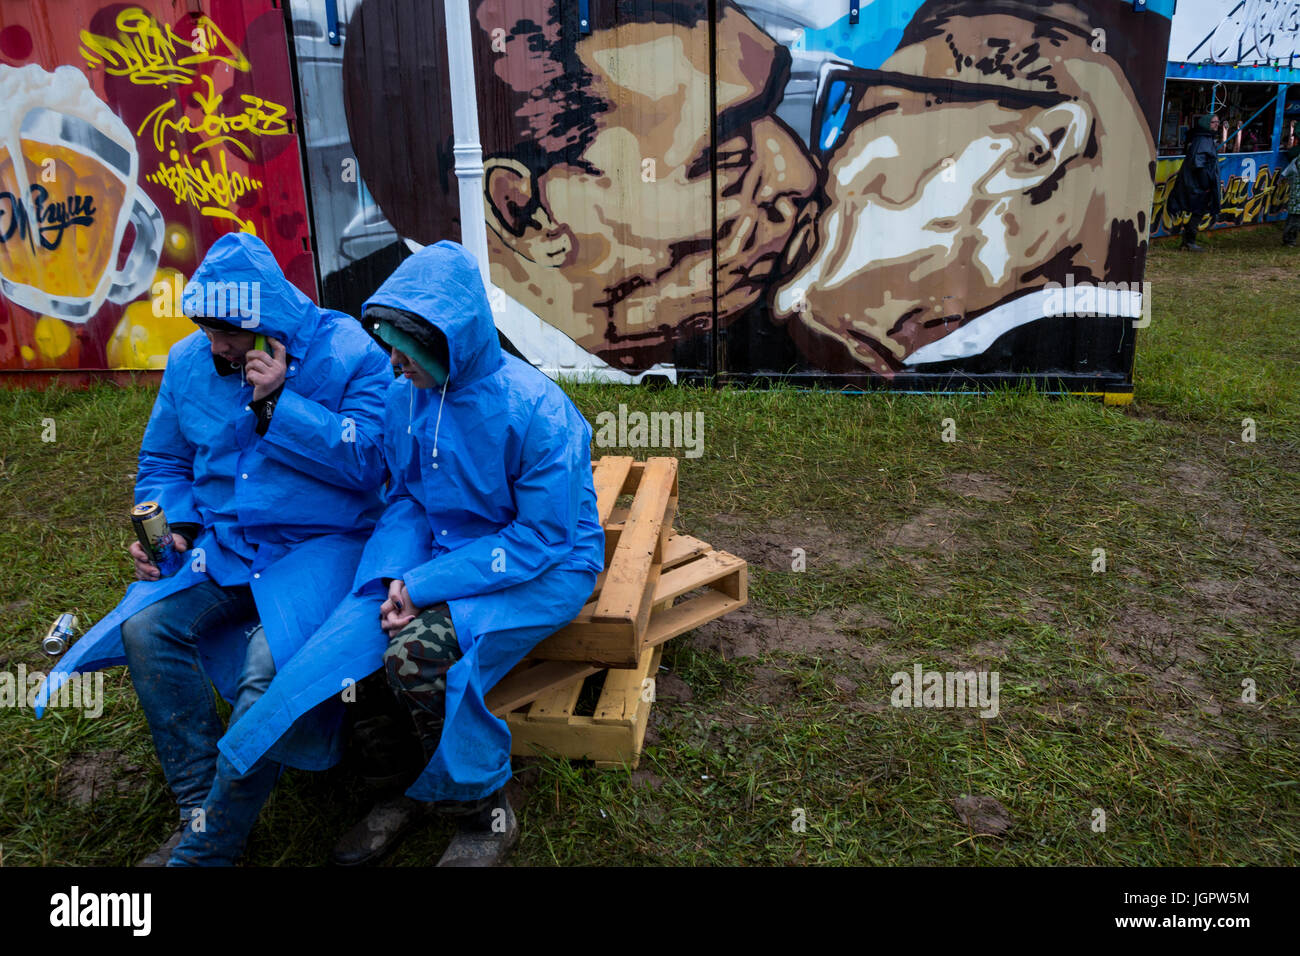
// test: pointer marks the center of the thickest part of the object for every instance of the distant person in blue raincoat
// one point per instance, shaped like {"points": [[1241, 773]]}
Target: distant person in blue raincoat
{"points": [[264, 451], [489, 543]]}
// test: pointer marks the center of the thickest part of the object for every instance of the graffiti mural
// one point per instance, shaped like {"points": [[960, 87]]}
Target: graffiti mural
{"points": [[764, 188], [1251, 191], [131, 138]]}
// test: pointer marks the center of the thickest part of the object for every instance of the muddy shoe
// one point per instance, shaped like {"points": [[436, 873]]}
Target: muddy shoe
{"points": [[379, 832], [160, 856], [486, 838]]}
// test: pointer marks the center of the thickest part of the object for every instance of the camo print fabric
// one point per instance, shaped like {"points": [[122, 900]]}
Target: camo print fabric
{"points": [[416, 665]]}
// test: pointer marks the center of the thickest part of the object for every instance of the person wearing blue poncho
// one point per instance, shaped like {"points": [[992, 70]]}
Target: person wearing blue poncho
{"points": [[489, 542], [264, 451]]}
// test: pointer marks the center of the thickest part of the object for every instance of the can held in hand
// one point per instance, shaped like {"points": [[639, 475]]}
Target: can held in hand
{"points": [[59, 636], [156, 536]]}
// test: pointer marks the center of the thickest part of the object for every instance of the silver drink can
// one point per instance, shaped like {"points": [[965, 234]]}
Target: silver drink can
{"points": [[60, 635]]}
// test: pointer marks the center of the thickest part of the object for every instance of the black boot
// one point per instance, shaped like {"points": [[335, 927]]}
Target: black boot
{"points": [[380, 832], [160, 856], [484, 838]]}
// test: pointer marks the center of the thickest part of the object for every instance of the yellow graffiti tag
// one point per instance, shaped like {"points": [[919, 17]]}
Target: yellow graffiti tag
{"points": [[1241, 202], [209, 189], [145, 51], [259, 118]]}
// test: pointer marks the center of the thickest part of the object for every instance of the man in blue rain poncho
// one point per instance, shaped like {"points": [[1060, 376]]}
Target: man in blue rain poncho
{"points": [[490, 541], [264, 451]]}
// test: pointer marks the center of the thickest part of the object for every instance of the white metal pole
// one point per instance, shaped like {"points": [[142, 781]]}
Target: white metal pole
{"points": [[466, 146]]}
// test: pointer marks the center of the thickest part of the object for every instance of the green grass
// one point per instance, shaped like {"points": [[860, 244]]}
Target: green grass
{"points": [[1120, 691]]}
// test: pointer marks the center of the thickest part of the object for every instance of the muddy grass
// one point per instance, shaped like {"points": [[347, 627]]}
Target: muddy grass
{"points": [[1162, 689]]}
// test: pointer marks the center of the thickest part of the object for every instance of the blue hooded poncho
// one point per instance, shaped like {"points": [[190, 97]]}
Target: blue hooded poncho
{"points": [[288, 512], [491, 508]]}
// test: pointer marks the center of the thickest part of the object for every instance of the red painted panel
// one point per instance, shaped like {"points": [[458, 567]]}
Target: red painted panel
{"points": [[146, 132]]}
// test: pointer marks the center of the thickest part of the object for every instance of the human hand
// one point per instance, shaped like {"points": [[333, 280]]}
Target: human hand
{"points": [[265, 372], [145, 569], [398, 611]]}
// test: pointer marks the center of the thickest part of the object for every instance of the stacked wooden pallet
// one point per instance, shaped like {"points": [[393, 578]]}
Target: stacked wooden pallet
{"points": [[656, 585]]}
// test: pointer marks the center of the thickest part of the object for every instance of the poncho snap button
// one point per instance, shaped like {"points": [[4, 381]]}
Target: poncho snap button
{"points": [[244, 475]]}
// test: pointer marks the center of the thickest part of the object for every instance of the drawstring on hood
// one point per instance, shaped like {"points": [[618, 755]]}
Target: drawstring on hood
{"points": [[438, 424]]}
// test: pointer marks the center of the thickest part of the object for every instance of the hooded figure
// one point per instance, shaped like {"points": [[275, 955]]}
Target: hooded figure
{"points": [[281, 505], [1196, 190], [491, 511]]}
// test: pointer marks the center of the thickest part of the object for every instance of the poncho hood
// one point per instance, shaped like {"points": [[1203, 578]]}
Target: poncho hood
{"points": [[240, 282], [441, 285]]}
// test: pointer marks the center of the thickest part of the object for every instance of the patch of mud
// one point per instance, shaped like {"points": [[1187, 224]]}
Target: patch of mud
{"points": [[86, 777], [1193, 478], [1203, 496], [669, 686], [936, 529], [973, 484], [751, 631], [1272, 598], [983, 815], [646, 779], [772, 545]]}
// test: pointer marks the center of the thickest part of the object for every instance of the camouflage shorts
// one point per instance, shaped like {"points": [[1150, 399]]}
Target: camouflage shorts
{"points": [[416, 665]]}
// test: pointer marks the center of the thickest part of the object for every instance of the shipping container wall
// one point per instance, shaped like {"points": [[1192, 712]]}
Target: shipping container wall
{"points": [[921, 195], [135, 135]]}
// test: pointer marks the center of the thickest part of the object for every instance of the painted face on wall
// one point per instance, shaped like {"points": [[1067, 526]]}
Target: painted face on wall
{"points": [[618, 252], [953, 189]]}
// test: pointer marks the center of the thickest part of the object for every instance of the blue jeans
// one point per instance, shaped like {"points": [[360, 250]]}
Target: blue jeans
{"points": [[218, 804]]}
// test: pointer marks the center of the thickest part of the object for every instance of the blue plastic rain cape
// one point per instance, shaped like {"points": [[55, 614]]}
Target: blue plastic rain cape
{"points": [[491, 508], [287, 513]]}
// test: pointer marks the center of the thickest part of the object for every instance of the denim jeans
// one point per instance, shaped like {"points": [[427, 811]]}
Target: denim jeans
{"points": [[161, 645]]}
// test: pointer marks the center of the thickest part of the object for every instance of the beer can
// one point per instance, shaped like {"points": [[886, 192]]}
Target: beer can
{"points": [[59, 636], [155, 536]]}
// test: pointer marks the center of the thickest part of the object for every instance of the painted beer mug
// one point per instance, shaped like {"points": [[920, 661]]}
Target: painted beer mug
{"points": [[68, 190]]}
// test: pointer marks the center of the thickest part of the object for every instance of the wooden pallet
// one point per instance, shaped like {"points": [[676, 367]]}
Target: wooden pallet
{"points": [[648, 568], [656, 585], [611, 734]]}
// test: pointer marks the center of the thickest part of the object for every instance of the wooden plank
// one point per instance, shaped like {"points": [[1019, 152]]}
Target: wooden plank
{"points": [[620, 697], [640, 722], [689, 615], [609, 475], [628, 581], [556, 705], [682, 547], [517, 689], [633, 478], [578, 739], [706, 569]]}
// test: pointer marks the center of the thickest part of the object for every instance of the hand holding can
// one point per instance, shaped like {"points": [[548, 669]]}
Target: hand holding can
{"points": [[157, 551], [145, 568]]}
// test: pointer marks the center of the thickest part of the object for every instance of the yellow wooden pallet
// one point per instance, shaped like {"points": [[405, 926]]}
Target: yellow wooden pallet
{"points": [[656, 585], [648, 568], [611, 734]]}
